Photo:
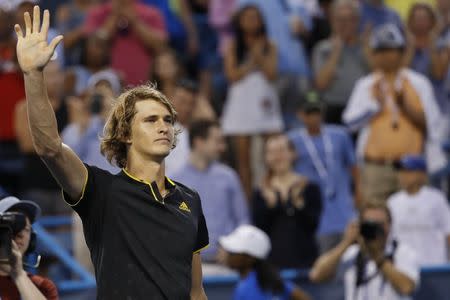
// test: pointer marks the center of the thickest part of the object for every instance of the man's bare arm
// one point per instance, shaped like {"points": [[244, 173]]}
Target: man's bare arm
{"points": [[33, 53], [197, 291]]}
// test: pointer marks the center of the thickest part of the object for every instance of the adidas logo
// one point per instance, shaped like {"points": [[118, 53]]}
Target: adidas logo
{"points": [[183, 206]]}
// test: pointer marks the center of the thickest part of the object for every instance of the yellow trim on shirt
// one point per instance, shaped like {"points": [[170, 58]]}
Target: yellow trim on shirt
{"points": [[82, 191], [201, 249]]}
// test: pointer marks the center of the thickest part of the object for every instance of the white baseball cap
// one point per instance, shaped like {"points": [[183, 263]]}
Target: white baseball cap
{"points": [[31, 209], [247, 239]]}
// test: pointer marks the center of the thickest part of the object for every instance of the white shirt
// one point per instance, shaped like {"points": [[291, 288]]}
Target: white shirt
{"points": [[422, 221], [179, 156], [377, 288]]}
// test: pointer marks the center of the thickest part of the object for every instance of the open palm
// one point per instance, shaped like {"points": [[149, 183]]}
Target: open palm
{"points": [[33, 51]]}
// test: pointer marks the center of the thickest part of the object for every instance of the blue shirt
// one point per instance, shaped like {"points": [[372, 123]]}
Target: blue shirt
{"points": [[378, 15], [248, 289], [223, 201], [337, 207], [291, 53], [87, 144]]}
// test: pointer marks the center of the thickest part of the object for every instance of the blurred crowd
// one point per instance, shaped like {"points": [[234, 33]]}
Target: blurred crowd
{"points": [[293, 114]]}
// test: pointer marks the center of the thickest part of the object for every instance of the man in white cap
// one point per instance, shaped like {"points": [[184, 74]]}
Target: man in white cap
{"points": [[15, 282], [247, 248]]}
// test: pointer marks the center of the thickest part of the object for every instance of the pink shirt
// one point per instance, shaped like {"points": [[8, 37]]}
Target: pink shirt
{"points": [[129, 56]]}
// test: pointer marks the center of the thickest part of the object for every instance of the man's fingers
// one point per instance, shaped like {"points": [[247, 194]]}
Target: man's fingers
{"points": [[55, 42], [36, 19], [18, 31], [45, 23], [27, 18]]}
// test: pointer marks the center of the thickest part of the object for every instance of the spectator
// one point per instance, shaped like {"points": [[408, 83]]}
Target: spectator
{"points": [[220, 18], [136, 32], [396, 109], [374, 267], [95, 58], [11, 85], [83, 135], [327, 159], [429, 206], [287, 23], [321, 27], [22, 6], [247, 249], [70, 18], [375, 13], [223, 200], [184, 101], [287, 207], [37, 183], [443, 13], [166, 72], [428, 51], [404, 6], [15, 282], [339, 61], [252, 106]]}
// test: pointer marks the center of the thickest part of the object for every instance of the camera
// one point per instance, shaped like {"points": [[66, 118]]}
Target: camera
{"points": [[11, 223], [371, 230]]}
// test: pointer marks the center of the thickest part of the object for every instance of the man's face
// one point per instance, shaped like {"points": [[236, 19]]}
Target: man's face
{"points": [[22, 239], [213, 146], [345, 22], [311, 119], [408, 179], [152, 132], [378, 216], [388, 60], [184, 102]]}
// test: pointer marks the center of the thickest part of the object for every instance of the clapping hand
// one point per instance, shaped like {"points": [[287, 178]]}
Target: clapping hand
{"points": [[33, 51]]}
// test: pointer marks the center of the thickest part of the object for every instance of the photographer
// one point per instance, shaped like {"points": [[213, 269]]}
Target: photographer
{"points": [[374, 266], [15, 282]]}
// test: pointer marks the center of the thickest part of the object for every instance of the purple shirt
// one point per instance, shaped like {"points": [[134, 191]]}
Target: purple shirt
{"points": [[223, 201]]}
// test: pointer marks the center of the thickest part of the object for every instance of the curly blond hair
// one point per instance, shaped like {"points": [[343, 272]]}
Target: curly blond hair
{"points": [[118, 126]]}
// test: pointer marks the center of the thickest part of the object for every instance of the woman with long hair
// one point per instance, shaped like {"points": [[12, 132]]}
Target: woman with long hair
{"points": [[287, 207], [252, 107], [246, 251]]}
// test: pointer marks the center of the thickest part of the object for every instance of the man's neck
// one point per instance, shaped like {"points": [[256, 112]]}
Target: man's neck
{"points": [[413, 189], [391, 76], [314, 131], [198, 161], [147, 170]]}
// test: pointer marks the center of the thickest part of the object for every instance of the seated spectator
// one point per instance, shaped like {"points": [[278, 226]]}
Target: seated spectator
{"points": [[247, 249], [397, 111], [82, 135], [374, 267], [252, 106], [167, 72], [70, 19], [339, 61], [37, 183], [184, 101], [223, 200], [428, 49], [326, 157], [15, 282], [136, 32], [375, 13], [420, 213], [95, 57], [287, 207], [287, 22]]}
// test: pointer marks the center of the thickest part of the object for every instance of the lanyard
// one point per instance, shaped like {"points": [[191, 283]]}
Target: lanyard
{"points": [[321, 168]]}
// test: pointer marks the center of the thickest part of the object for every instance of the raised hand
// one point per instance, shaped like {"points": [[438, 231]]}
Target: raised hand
{"points": [[33, 51]]}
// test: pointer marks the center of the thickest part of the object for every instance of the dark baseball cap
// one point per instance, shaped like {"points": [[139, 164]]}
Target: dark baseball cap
{"points": [[411, 163], [312, 102], [387, 36]]}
